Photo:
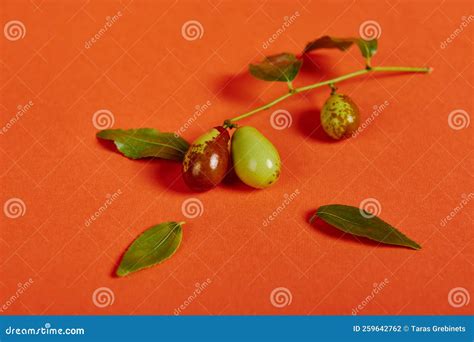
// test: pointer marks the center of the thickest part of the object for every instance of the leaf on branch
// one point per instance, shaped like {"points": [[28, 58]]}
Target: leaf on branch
{"points": [[152, 247], [358, 222], [368, 48], [146, 142], [282, 67]]}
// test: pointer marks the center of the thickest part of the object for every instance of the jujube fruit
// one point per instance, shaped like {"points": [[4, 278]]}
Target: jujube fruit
{"points": [[339, 116], [256, 161], [206, 162]]}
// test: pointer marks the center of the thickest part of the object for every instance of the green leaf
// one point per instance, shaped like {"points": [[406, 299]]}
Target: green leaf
{"points": [[368, 48], [146, 142], [351, 220], [152, 247], [327, 42], [282, 67]]}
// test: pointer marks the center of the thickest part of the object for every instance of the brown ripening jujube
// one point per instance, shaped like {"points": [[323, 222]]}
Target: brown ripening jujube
{"points": [[207, 160]]}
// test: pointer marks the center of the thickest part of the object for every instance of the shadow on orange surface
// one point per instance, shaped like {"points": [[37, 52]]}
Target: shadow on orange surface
{"points": [[168, 174], [108, 145], [317, 65], [235, 87], [309, 124]]}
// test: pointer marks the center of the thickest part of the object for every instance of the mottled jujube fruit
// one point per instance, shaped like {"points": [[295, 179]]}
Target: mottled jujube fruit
{"points": [[256, 161], [206, 162], [339, 116]]}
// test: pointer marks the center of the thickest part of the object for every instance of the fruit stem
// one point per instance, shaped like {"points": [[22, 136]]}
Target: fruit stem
{"points": [[330, 82], [290, 86], [259, 109]]}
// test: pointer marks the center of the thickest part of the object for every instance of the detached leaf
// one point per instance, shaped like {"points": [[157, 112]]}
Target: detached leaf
{"points": [[368, 48], [152, 247], [282, 67], [350, 220], [146, 142]]}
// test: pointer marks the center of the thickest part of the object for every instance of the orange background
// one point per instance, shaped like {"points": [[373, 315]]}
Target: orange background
{"points": [[148, 75]]}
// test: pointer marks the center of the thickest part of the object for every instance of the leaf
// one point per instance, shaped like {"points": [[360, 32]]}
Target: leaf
{"points": [[146, 142], [282, 67], [327, 42], [368, 48], [152, 247], [350, 220]]}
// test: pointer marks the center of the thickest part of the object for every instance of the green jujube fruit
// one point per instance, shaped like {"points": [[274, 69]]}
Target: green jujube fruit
{"points": [[256, 161], [339, 116]]}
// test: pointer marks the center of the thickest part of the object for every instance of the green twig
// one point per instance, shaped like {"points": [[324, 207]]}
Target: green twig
{"points": [[331, 83]]}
